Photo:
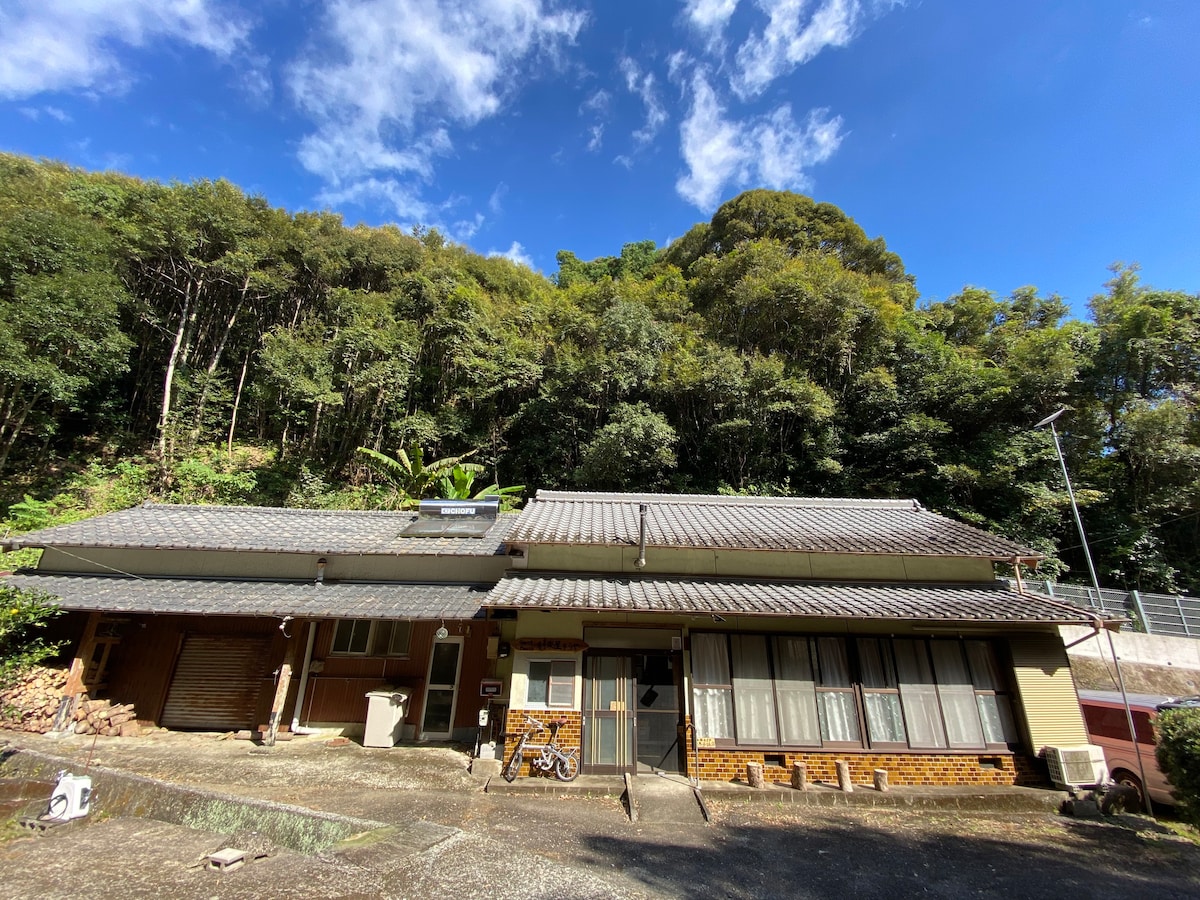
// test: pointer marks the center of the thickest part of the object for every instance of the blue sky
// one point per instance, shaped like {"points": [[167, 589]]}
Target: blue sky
{"points": [[995, 144]]}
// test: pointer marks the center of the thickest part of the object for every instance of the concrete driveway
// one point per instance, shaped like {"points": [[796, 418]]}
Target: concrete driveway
{"points": [[446, 836]]}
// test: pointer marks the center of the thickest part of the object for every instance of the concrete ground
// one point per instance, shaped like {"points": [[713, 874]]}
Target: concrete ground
{"points": [[448, 836]]}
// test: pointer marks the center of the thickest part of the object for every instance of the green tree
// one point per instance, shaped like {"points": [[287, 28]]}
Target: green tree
{"points": [[22, 615], [1177, 737]]}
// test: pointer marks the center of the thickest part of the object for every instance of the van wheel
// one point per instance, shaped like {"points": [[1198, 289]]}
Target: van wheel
{"points": [[1125, 795]]}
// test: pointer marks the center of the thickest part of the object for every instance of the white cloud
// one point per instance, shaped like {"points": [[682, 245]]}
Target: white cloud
{"points": [[791, 38], [597, 138], [645, 86], [496, 201], [709, 17], [393, 71], [402, 199], [516, 253], [771, 150], [598, 103], [58, 45]]}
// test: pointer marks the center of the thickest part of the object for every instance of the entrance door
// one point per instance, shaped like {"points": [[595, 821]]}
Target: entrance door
{"points": [[608, 716], [437, 721], [658, 714], [632, 713]]}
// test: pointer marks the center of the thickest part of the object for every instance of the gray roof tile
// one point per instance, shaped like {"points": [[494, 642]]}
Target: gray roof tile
{"points": [[814, 525], [195, 596], [982, 603], [277, 530]]}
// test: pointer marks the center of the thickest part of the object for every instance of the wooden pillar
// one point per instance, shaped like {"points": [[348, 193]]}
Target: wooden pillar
{"points": [[881, 780], [74, 686], [282, 685], [754, 775]]}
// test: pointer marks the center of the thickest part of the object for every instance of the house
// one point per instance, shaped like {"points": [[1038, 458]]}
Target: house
{"points": [[698, 633], [190, 613], [676, 633]]}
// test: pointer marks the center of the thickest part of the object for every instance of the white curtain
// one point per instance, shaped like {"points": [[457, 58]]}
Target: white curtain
{"points": [[885, 723], [753, 696], [713, 706], [963, 728], [839, 719], [995, 710], [796, 690], [918, 695]]}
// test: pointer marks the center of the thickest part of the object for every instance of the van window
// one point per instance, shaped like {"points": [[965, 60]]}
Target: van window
{"points": [[1110, 722]]}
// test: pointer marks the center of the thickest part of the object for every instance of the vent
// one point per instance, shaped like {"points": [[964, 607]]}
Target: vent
{"points": [[454, 518], [1072, 767]]}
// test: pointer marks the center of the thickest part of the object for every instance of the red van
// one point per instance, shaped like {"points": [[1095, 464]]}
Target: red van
{"points": [[1108, 727]]}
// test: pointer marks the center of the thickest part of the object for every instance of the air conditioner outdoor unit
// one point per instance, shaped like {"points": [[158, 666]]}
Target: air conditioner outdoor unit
{"points": [[1071, 767]]}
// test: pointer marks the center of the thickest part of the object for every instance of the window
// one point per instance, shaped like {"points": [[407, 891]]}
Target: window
{"points": [[551, 682], [712, 686], [881, 692], [353, 637], [924, 694]]}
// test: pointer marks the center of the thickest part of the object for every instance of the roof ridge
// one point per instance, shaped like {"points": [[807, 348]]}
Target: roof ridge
{"points": [[726, 500], [291, 510]]}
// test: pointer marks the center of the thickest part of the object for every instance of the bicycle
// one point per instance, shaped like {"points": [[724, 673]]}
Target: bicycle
{"points": [[551, 758]]}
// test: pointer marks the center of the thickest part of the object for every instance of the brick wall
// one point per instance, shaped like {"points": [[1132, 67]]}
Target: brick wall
{"points": [[569, 735], [903, 768]]}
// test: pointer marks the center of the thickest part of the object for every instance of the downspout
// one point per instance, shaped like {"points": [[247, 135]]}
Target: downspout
{"points": [[296, 727], [308, 649]]}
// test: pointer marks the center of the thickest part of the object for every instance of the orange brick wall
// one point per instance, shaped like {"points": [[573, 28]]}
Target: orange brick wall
{"points": [[569, 735], [902, 768]]}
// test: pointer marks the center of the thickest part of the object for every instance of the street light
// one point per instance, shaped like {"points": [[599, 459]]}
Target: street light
{"points": [[1050, 420]]}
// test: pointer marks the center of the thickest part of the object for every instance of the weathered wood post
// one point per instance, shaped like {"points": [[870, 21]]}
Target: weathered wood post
{"points": [[843, 776], [800, 776], [881, 783], [281, 688], [754, 774], [64, 718]]}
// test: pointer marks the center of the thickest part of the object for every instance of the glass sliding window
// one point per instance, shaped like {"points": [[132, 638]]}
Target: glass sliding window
{"points": [[835, 693], [957, 694], [391, 638], [351, 636], [881, 692], [551, 682], [796, 691], [712, 687], [918, 695], [993, 701], [753, 694]]}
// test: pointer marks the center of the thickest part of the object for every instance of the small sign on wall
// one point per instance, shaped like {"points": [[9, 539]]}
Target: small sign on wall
{"points": [[560, 645], [706, 743], [491, 687]]}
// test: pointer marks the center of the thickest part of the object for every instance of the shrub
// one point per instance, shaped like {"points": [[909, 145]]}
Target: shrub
{"points": [[21, 614], [1178, 755]]}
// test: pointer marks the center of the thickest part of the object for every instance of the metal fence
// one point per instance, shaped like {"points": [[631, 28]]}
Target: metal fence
{"points": [[1150, 613]]}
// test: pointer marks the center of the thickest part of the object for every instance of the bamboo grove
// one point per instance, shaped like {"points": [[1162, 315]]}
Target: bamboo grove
{"points": [[774, 348]]}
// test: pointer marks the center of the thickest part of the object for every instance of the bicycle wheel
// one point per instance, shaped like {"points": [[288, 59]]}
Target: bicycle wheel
{"points": [[567, 767], [513, 768]]}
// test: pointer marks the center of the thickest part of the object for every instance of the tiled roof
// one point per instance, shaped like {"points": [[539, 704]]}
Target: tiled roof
{"points": [[814, 525], [178, 527], [983, 603], [195, 596]]}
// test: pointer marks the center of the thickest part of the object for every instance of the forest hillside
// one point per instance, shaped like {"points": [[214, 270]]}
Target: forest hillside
{"points": [[189, 342]]}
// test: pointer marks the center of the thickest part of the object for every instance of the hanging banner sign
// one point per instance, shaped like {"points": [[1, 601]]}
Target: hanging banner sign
{"points": [[559, 645]]}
